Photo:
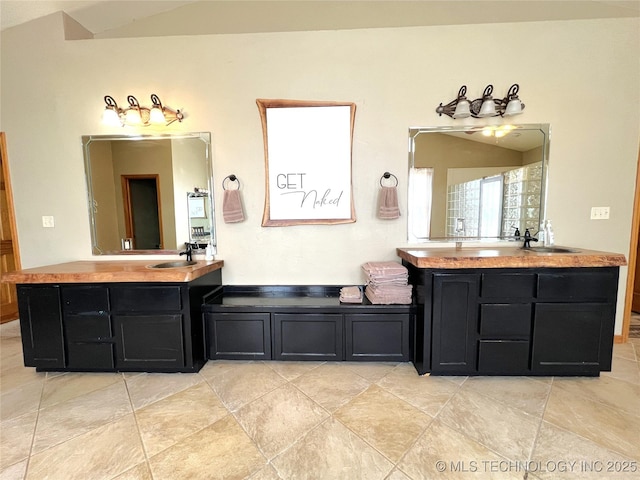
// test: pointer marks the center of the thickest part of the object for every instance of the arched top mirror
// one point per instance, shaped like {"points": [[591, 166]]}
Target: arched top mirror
{"points": [[139, 190], [476, 182]]}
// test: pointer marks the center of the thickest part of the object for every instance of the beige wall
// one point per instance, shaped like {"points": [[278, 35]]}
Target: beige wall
{"points": [[568, 73]]}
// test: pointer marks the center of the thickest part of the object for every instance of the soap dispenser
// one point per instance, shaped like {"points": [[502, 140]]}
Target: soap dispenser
{"points": [[208, 252], [542, 234], [548, 233]]}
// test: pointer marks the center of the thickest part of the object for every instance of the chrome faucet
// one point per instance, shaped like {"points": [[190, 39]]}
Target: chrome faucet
{"points": [[187, 252], [528, 239]]}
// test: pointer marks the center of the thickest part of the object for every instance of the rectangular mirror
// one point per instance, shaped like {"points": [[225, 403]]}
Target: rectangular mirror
{"points": [[139, 190], [480, 182]]}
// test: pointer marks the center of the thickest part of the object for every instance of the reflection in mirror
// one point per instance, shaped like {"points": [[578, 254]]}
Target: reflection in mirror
{"points": [[199, 222], [476, 182], [136, 189]]}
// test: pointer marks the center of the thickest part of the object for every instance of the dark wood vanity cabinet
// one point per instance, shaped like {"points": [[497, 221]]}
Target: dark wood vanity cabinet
{"points": [[303, 323], [41, 326], [546, 321], [152, 327]]}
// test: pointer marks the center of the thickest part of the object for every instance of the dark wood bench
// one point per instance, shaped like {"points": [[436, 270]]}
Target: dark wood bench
{"points": [[303, 323]]}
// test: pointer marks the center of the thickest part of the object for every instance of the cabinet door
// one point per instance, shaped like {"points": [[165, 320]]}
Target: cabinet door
{"points": [[149, 341], [377, 337], [238, 336], [567, 338], [307, 336], [41, 326], [455, 323]]}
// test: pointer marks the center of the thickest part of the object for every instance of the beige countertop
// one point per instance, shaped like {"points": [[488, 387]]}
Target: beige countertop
{"points": [[111, 271], [507, 257]]}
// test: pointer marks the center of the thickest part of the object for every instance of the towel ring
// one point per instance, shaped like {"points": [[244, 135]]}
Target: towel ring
{"points": [[388, 175], [231, 178]]}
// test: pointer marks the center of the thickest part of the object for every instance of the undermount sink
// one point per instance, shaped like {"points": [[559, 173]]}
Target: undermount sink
{"points": [[551, 250], [177, 264]]}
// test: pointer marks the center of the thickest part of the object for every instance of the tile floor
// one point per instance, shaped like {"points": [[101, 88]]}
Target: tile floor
{"points": [[316, 421]]}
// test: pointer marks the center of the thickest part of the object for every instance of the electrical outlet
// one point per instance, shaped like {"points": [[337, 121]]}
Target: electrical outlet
{"points": [[599, 213], [47, 221]]}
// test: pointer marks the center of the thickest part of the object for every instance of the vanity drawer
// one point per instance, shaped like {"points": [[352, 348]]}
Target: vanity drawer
{"points": [[503, 357], [505, 321], [87, 328], [584, 285], [90, 356], [508, 285], [85, 299], [146, 298]]}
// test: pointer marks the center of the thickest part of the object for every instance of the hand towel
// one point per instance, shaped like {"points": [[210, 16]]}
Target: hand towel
{"points": [[232, 206], [380, 297], [351, 295], [388, 203]]}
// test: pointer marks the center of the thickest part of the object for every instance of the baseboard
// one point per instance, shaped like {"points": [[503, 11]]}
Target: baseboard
{"points": [[618, 339]]}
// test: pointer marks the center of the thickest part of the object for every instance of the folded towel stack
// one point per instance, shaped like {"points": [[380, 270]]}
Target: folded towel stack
{"points": [[387, 283], [351, 295]]}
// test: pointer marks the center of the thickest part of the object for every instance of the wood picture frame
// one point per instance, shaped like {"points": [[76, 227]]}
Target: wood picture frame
{"points": [[308, 156]]}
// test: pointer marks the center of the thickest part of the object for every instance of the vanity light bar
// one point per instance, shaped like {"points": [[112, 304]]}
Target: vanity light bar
{"points": [[137, 115], [486, 106]]}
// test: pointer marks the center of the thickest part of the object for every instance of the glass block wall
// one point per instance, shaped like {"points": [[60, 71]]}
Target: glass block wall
{"points": [[521, 199], [463, 202]]}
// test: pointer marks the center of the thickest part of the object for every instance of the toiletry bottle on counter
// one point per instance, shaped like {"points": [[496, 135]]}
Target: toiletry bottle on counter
{"points": [[208, 252], [548, 234], [542, 237]]}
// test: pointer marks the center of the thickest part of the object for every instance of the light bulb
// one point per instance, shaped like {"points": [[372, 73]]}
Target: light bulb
{"points": [[514, 107], [110, 117], [132, 117], [462, 109], [156, 116], [488, 108]]}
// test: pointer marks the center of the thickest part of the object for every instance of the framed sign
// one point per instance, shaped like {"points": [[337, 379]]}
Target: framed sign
{"points": [[307, 150], [196, 207]]}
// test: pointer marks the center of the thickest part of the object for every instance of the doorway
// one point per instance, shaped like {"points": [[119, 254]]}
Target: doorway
{"points": [[631, 321], [142, 211], [9, 250]]}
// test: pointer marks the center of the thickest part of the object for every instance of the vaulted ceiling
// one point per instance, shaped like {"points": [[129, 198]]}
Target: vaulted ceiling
{"points": [[146, 18]]}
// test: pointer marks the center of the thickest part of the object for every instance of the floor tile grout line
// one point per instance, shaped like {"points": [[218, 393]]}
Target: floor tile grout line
{"points": [[270, 462], [604, 404], [505, 403], [135, 419], [488, 447], [184, 438], [35, 428], [589, 440], [535, 438], [595, 442], [433, 419], [48, 447], [140, 374]]}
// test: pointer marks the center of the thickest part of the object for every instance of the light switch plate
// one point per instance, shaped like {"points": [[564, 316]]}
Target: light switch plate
{"points": [[47, 221], [599, 213]]}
